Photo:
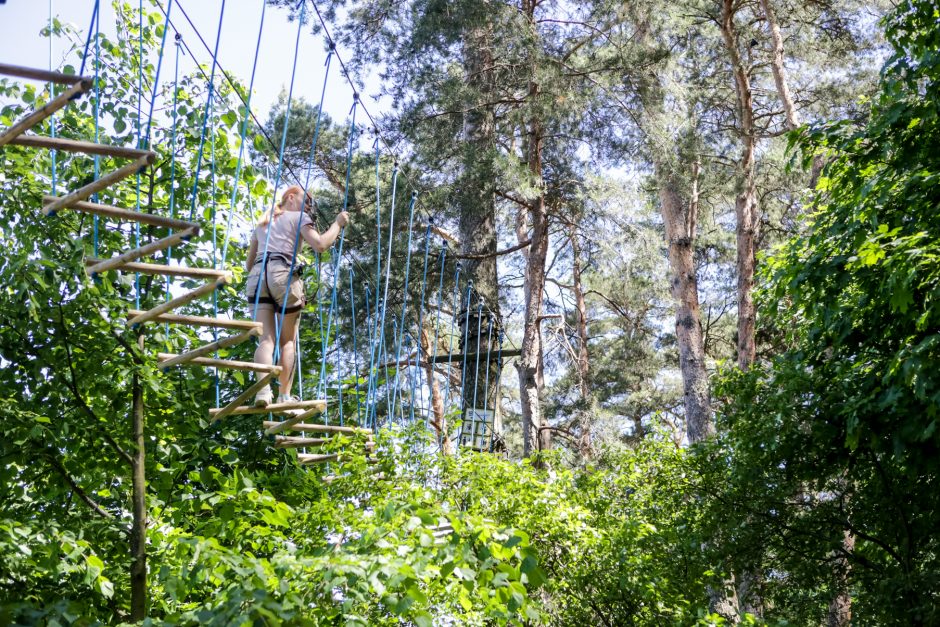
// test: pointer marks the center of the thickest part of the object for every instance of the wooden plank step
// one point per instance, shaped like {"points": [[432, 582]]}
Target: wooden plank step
{"points": [[299, 416], [88, 148], [179, 301], [246, 395], [317, 459], [211, 347], [40, 114], [126, 214], [40, 75], [202, 321], [136, 253], [312, 428], [156, 268], [279, 408], [281, 441], [224, 363], [96, 186]]}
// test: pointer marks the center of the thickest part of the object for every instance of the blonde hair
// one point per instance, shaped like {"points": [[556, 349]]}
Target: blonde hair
{"points": [[289, 193]]}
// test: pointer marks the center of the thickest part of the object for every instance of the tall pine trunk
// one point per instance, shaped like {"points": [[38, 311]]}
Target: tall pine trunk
{"points": [[584, 365], [680, 219], [745, 204], [139, 490], [476, 200], [535, 435], [777, 65]]}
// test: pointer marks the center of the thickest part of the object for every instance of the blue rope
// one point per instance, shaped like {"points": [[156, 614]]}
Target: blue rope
{"points": [[300, 221], [355, 354], [140, 94], [499, 374], [176, 93], [156, 80], [215, 249], [371, 339], [383, 303], [453, 324], [476, 368], [205, 116], [241, 139], [404, 301], [466, 336], [52, 117], [424, 283], [339, 255], [486, 385], [440, 302], [94, 18], [277, 179]]}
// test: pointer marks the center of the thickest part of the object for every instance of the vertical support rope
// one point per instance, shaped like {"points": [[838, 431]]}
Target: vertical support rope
{"points": [[205, 116], [486, 385], [52, 117], [404, 299], [437, 322], [466, 337], [499, 378], [355, 353], [140, 95], [96, 22], [176, 75], [241, 140], [453, 324], [338, 258], [424, 283], [94, 17]]}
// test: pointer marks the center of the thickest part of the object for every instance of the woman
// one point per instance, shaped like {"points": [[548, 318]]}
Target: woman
{"points": [[278, 283]]}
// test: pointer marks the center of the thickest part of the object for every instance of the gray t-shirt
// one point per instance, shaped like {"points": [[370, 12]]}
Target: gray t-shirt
{"points": [[283, 233]]}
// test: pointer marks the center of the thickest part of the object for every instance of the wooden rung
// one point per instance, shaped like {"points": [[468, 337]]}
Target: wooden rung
{"points": [[35, 74], [317, 459], [156, 268], [288, 441], [179, 301], [147, 249], [328, 479], [95, 186], [224, 363], [127, 214], [244, 396], [203, 321], [277, 408], [299, 417], [320, 428], [40, 114], [88, 148], [295, 442], [209, 348]]}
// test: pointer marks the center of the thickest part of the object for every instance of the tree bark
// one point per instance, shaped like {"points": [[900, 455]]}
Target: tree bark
{"points": [[437, 403], [584, 372], [745, 204], [534, 436], [139, 485], [777, 66], [680, 220], [476, 200], [840, 607]]}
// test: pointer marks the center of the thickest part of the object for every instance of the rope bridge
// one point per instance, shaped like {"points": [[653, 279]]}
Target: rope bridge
{"points": [[399, 385]]}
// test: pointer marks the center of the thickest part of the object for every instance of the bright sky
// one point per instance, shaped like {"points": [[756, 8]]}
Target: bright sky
{"points": [[22, 44]]}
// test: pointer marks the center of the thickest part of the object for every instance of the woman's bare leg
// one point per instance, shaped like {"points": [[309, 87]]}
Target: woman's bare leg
{"points": [[264, 353], [288, 351]]}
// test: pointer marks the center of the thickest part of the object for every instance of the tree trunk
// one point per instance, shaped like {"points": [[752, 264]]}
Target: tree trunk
{"points": [[476, 200], [680, 220], [584, 374], [439, 421], [776, 64], [840, 607], [535, 435], [139, 484], [745, 204]]}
